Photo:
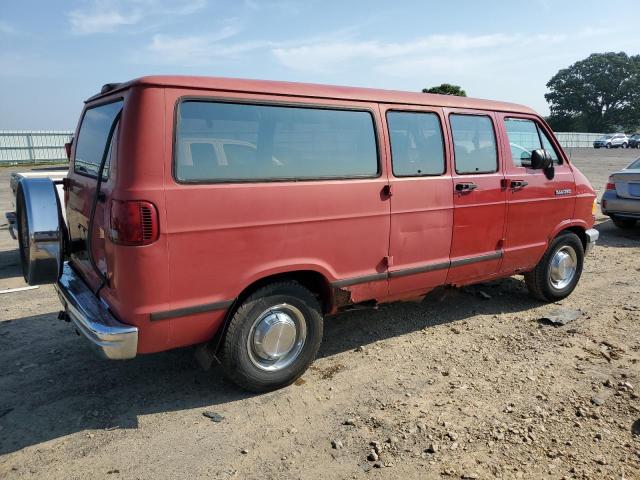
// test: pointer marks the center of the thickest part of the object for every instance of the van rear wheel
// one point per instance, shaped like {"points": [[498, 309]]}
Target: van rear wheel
{"points": [[559, 270], [272, 337]]}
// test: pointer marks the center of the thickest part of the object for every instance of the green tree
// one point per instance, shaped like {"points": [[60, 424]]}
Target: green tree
{"points": [[446, 89], [599, 94]]}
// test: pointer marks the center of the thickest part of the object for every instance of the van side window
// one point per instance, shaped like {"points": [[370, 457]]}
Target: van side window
{"points": [[548, 146], [241, 142], [526, 136], [416, 144], [523, 139], [474, 143]]}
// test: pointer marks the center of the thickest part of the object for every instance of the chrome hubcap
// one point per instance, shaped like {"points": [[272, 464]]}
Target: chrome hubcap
{"points": [[277, 337], [563, 267]]}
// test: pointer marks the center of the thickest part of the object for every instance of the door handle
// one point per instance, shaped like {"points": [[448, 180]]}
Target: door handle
{"points": [[518, 184], [465, 187]]}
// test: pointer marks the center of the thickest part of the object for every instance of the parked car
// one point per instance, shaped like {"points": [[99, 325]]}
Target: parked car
{"points": [[351, 197], [634, 140], [55, 174], [616, 140], [621, 199]]}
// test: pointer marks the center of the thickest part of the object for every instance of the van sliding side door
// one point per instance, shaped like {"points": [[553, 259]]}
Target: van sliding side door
{"points": [[421, 198]]}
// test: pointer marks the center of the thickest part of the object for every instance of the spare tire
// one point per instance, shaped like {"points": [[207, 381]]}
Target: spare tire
{"points": [[40, 230]]}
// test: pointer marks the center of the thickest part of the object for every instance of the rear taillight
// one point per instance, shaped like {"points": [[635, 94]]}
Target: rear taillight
{"points": [[610, 184], [133, 222]]}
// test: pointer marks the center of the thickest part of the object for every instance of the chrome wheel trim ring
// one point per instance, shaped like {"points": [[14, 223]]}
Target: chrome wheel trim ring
{"points": [[563, 268], [40, 236], [277, 337]]}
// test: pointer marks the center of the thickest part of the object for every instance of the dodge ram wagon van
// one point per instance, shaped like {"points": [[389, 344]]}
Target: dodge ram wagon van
{"points": [[236, 214]]}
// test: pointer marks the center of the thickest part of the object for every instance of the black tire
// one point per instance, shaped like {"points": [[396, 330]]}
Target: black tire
{"points": [[624, 145], [608, 145], [23, 233], [236, 359], [539, 279], [624, 223]]}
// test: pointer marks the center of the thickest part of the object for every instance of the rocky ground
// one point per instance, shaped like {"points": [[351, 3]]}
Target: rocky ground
{"points": [[470, 383]]}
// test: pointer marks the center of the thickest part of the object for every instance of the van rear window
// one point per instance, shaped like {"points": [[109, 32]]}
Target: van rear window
{"points": [[240, 142], [92, 139]]}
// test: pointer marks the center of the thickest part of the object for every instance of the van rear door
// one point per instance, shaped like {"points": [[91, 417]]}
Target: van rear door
{"points": [[96, 140]]}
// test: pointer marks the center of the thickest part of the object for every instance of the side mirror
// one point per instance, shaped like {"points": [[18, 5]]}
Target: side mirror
{"points": [[67, 149], [541, 160]]}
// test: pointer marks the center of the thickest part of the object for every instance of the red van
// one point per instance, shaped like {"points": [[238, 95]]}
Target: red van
{"points": [[236, 214]]}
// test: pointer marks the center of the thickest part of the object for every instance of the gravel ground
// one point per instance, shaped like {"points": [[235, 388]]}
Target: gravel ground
{"points": [[467, 384]]}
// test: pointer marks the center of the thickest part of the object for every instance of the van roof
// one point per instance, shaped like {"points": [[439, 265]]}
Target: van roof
{"points": [[310, 90]]}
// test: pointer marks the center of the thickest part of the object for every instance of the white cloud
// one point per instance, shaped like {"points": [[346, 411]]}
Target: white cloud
{"points": [[448, 52], [487, 65], [103, 16], [84, 23], [25, 65], [432, 50], [196, 50], [7, 29]]}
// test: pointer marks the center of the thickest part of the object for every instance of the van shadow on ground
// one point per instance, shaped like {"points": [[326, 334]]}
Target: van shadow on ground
{"points": [[51, 385], [10, 264]]}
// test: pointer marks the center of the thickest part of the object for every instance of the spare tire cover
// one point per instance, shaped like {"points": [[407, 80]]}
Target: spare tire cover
{"points": [[40, 230]]}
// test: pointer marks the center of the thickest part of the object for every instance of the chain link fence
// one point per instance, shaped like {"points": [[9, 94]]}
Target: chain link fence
{"points": [[577, 140], [32, 147]]}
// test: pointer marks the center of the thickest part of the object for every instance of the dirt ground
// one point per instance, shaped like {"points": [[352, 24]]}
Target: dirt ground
{"points": [[459, 386]]}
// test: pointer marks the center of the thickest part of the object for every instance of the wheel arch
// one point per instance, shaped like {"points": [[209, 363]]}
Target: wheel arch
{"points": [[580, 232], [313, 280], [577, 227]]}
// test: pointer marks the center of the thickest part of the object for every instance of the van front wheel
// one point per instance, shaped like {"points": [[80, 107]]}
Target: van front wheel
{"points": [[559, 270], [272, 337]]}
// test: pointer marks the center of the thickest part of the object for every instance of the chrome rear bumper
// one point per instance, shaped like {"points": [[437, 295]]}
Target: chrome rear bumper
{"points": [[592, 238], [110, 338]]}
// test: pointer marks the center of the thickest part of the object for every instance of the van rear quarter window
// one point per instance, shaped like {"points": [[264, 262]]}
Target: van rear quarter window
{"points": [[92, 138], [218, 141]]}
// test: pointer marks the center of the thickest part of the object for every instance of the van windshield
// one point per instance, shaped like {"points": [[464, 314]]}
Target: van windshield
{"points": [[92, 139]]}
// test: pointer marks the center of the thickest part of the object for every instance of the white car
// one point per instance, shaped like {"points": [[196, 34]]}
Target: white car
{"points": [[614, 140], [55, 174]]}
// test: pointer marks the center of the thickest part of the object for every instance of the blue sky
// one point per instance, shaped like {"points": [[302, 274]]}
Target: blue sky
{"points": [[54, 54]]}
